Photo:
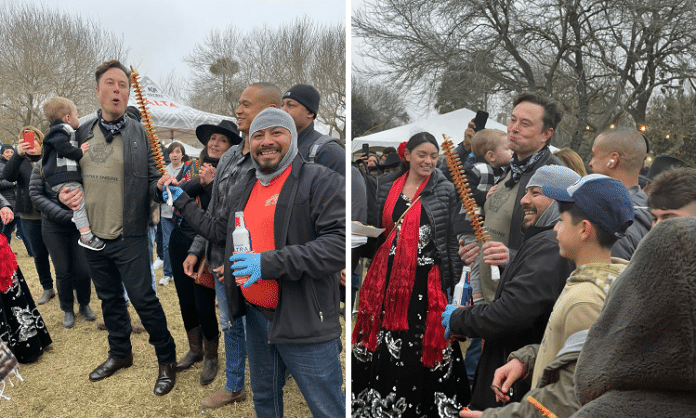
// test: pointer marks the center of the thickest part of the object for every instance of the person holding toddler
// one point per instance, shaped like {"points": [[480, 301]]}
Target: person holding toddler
{"points": [[60, 161]]}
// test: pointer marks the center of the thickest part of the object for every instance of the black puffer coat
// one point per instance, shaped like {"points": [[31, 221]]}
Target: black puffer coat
{"points": [[7, 188], [18, 169], [46, 200], [443, 208]]}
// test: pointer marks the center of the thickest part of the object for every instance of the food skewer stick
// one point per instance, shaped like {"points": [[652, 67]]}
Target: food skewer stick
{"points": [[463, 190], [544, 410], [149, 127]]}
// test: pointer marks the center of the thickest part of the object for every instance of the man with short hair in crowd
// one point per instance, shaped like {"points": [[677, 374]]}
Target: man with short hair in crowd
{"points": [[120, 180], [619, 153], [232, 167], [301, 101], [385, 153], [673, 195], [295, 213], [463, 151]]}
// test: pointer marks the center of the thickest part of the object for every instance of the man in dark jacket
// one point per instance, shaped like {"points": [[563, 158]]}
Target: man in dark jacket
{"points": [[301, 101], [299, 248], [619, 153], [527, 291], [120, 180], [232, 168]]}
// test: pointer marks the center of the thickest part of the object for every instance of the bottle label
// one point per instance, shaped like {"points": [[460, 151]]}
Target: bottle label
{"points": [[462, 291], [243, 248]]}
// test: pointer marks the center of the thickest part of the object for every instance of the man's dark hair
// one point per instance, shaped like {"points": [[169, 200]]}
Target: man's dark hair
{"points": [[604, 239], [106, 66], [673, 189], [388, 150], [552, 109]]}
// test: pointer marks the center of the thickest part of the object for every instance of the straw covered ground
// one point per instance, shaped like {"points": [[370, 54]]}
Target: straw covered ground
{"points": [[57, 385]]}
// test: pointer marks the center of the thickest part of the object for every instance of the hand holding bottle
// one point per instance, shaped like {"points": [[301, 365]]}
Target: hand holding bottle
{"points": [[246, 264]]}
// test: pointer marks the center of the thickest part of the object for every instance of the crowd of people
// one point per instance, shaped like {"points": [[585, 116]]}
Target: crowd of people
{"points": [[581, 292], [569, 258], [89, 194]]}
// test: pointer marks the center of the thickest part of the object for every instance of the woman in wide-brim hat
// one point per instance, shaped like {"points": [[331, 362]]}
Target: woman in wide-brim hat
{"points": [[197, 295]]}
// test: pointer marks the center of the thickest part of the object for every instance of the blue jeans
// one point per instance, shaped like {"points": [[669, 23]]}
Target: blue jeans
{"points": [[235, 346], [315, 367], [167, 228]]}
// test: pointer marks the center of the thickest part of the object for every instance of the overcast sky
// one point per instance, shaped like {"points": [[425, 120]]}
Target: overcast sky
{"points": [[160, 33]]}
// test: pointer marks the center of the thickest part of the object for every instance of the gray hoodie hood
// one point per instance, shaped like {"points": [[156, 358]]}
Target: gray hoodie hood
{"points": [[550, 216], [272, 117]]}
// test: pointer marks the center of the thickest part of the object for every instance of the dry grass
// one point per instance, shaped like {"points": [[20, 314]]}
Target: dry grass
{"points": [[57, 385]]}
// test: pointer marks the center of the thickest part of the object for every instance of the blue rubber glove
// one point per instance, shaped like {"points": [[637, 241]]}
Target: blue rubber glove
{"points": [[446, 315], [247, 264], [176, 192]]}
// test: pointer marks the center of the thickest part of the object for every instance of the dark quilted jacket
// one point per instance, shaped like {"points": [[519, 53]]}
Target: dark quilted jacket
{"points": [[443, 208], [46, 200]]}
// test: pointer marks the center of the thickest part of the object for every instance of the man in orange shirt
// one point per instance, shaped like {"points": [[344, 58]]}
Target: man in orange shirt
{"points": [[302, 207], [295, 212]]}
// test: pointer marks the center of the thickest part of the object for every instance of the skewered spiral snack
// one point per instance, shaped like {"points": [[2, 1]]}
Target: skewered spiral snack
{"points": [[462, 186], [149, 128], [147, 121], [541, 407]]}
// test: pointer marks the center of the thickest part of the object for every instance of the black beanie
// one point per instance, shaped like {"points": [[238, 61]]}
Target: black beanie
{"points": [[6, 147], [306, 95]]}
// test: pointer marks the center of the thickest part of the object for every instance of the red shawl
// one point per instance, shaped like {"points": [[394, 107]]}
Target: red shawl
{"points": [[8, 264], [401, 279]]}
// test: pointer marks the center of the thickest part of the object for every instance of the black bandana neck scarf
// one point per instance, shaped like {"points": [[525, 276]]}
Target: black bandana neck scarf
{"points": [[520, 167], [111, 128]]}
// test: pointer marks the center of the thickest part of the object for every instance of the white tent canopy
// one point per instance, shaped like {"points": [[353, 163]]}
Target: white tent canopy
{"points": [[172, 118], [452, 124]]}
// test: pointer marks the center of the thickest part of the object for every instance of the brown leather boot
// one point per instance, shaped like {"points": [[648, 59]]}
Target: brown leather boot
{"points": [[221, 398], [210, 360], [195, 353]]}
